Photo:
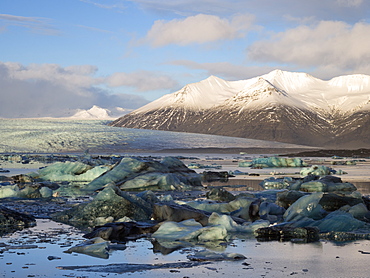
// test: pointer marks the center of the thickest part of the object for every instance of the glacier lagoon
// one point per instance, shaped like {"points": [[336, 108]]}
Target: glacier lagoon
{"points": [[68, 136], [264, 259]]}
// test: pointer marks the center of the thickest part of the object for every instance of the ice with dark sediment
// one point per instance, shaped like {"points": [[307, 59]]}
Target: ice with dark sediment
{"points": [[272, 162]]}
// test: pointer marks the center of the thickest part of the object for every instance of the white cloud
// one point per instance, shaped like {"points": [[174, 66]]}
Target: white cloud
{"points": [[350, 3], [142, 81], [329, 44], [199, 29], [73, 76], [36, 24]]}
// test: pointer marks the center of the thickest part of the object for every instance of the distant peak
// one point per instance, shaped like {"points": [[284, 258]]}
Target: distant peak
{"points": [[213, 77]]}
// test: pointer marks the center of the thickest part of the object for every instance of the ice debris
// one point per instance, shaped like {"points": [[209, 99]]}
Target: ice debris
{"points": [[69, 171], [134, 173], [318, 170], [25, 191], [311, 183], [110, 202], [272, 162], [96, 247], [206, 255]]}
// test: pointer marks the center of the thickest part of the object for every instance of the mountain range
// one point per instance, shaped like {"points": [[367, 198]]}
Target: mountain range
{"points": [[289, 107]]}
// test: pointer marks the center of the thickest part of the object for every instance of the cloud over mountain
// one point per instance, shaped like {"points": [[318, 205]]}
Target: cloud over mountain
{"points": [[327, 44], [51, 90]]}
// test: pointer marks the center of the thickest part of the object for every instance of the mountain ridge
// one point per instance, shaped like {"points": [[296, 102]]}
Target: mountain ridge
{"points": [[282, 106]]}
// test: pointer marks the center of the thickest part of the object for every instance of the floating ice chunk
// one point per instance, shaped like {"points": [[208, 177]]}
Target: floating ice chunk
{"points": [[125, 219], [327, 184], [272, 162], [231, 226], [358, 211], [109, 202], [271, 212], [225, 221], [9, 191], [208, 234], [69, 171], [188, 230], [306, 206], [211, 206], [163, 181], [134, 173], [166, 198], [339, 221], [244, 164], [125, 168], [96, 247], [100, 221], [237, 172], [46, 192], [206, 255], [277, 183], [319, 170]]}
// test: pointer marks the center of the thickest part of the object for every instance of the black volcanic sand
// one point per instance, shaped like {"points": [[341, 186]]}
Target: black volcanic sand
{"points": [[298, 152], [238, 150], [359, 153]]}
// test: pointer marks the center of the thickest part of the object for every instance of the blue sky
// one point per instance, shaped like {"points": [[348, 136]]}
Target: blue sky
{"points": [[59, 56]]}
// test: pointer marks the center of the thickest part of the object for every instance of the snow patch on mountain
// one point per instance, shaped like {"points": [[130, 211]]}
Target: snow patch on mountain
{"points": [[197, 96]]}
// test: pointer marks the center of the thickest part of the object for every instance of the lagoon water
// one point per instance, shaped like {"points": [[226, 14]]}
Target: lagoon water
{"points": [[264, 259]]}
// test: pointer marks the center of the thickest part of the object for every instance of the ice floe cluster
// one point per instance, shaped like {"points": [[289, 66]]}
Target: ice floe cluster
{"points": [[126, 202]]}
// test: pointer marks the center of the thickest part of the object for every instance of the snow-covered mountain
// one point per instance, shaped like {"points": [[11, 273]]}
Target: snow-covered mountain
{"points": [[281, 106], [99, 113], [94, 112]]}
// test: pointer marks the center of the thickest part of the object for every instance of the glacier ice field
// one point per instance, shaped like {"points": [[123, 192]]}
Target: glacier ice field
{"points": [[65, 135]]}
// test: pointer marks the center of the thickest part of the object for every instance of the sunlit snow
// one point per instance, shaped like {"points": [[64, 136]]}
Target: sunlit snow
{"points": [[343, 93]]}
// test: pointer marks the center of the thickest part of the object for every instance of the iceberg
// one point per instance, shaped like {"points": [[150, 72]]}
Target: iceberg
{"points": [[339, 221], [230, 225], [306, 206], [206, 255], [277, 183], [110, 202], [95, 247], [69, 171], [273, 162], [135, 173], [189, 230], [318, 170], [7, 191]]}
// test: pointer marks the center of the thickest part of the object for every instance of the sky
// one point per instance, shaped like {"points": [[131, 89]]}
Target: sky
{"points": [[59, 56]]}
